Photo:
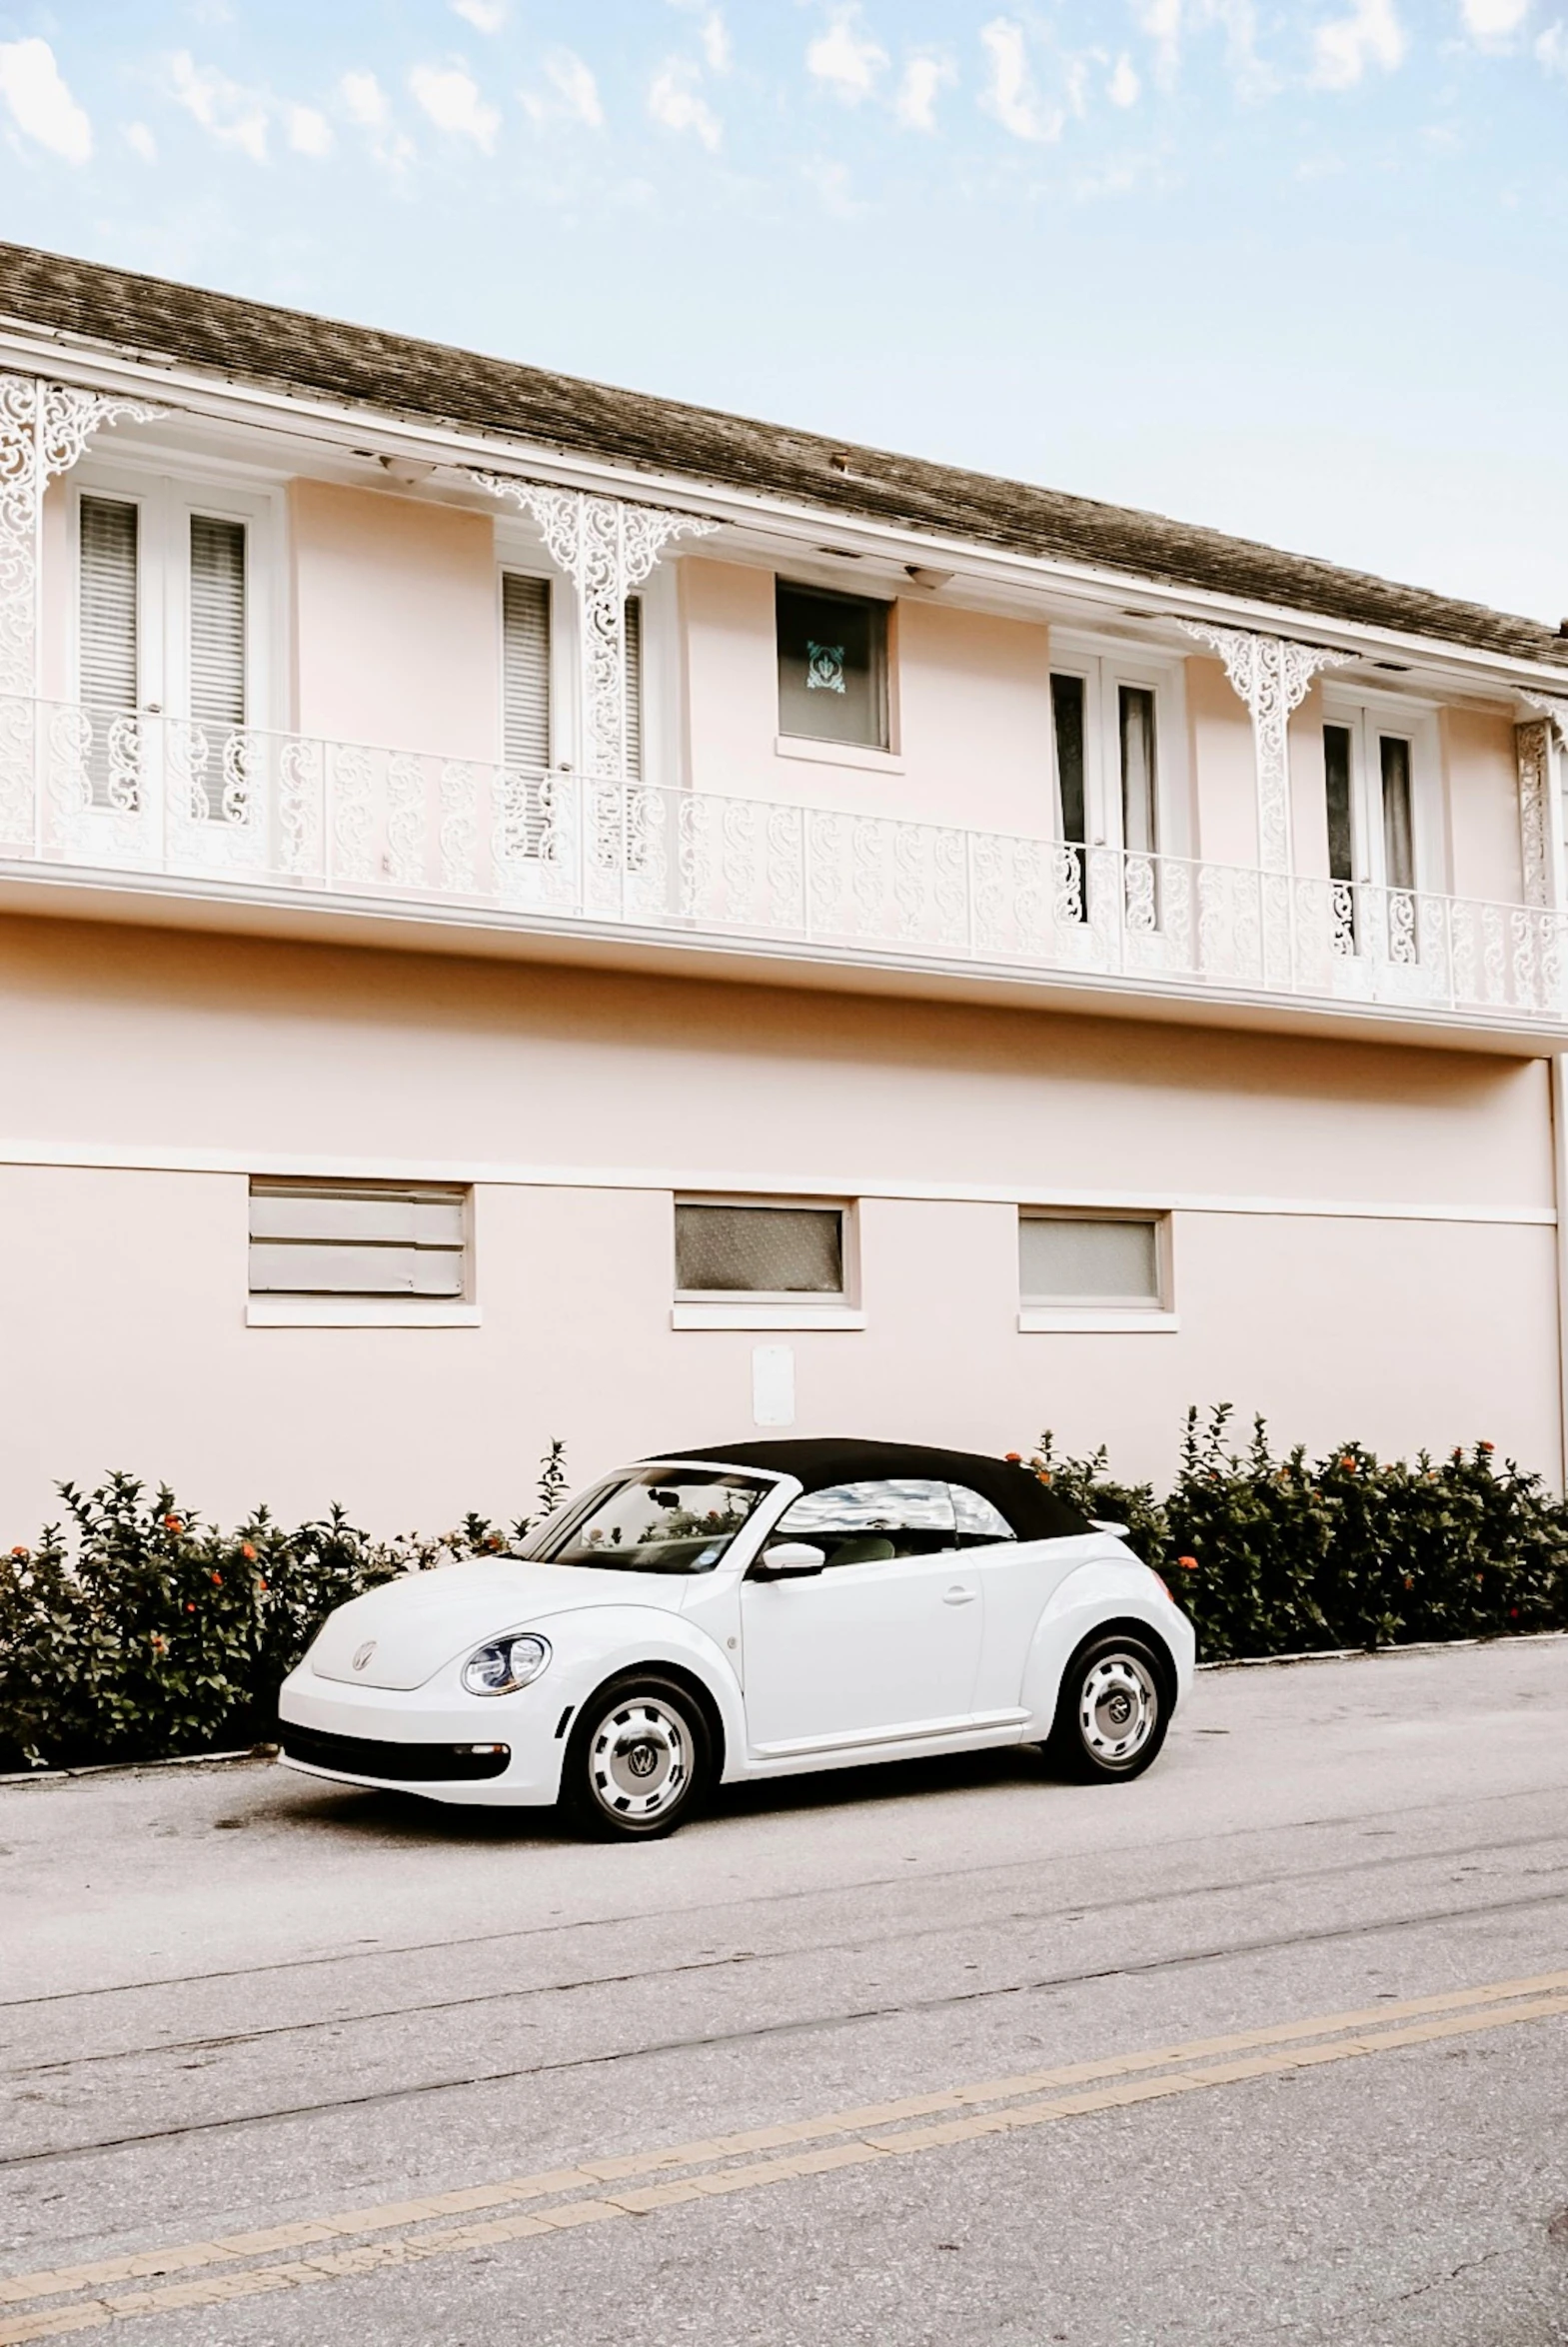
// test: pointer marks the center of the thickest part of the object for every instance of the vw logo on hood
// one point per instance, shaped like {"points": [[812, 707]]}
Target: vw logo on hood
{"points": [[361, 1655]]}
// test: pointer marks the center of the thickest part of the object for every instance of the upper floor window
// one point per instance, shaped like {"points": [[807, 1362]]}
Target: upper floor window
{"points": [[169, 623], [1380, 767], [1115, 752], [528, 651], [833, 666]]}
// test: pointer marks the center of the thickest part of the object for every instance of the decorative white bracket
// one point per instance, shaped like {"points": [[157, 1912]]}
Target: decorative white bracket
{"points": [[44, 429], [607, 548], [1533, 755], [1271, 674]]}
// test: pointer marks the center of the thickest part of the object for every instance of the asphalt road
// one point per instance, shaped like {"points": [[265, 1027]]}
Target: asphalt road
{"points": [[355, 2067]]}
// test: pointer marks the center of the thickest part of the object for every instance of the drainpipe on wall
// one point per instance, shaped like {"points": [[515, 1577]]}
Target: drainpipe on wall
{"points": [[1560, 1198]]}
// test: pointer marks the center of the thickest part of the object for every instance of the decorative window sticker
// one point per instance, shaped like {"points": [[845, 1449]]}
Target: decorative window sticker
{"points": [[824, 668]]}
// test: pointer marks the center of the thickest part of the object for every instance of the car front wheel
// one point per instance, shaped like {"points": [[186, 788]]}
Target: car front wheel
{"points": [[637, 1760], [1113, 1711]]}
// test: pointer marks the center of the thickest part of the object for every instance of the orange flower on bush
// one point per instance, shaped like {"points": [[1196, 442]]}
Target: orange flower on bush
{"points": [[1488, 1446], [261, 1584], [1014, 1459], [1043, 1474], [248, 1551], [1348, 1463], [174, 1524], [190, 1609], [217, 1580], [1187, 1563], [19, 1553], [1409, 1580]]}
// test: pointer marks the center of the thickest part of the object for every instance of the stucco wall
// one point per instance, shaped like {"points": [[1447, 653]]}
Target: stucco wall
{"points": [[396, 622], [580, 1103], [1482, 797], [970, 715]]}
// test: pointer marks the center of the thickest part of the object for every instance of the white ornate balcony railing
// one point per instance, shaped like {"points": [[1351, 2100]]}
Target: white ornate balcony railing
{"points": [[157, 796]]}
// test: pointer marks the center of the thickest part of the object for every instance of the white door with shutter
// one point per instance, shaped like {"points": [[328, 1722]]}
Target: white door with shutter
{"points": [[172, 673]]}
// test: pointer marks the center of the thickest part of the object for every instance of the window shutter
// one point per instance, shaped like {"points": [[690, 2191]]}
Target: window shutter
{"points": [[109, 668], [217, 623], [634, 655], [525, 672]]}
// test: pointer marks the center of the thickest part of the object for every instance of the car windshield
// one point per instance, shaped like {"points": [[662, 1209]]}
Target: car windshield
{"points": [[660, 1520]]}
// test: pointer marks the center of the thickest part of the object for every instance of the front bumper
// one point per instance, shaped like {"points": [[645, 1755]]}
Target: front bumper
{"points": [[392, 1740]]}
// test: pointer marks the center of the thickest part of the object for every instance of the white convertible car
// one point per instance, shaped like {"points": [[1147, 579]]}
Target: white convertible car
{"points": [[753, 1611]]}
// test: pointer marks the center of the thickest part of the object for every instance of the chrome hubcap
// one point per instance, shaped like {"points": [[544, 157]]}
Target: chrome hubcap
{"points": [[1117, 1709], [639, 1761]]}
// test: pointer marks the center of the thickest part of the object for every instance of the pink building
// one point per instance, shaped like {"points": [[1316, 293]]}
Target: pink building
{"points": [[535, 910]]}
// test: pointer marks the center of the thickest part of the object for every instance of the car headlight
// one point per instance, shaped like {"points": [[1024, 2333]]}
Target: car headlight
{"points": [[505, 1664]]}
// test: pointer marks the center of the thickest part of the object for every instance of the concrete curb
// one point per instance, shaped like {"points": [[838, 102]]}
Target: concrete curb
{"points": [[1383, 1653], [138, 1767], [1241, 1663]]}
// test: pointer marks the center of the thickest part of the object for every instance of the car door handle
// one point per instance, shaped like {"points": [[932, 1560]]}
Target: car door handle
{"points": [[959, 1595]]}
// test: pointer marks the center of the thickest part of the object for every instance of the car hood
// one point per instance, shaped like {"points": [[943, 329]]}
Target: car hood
{"points": [[415, 1625]]}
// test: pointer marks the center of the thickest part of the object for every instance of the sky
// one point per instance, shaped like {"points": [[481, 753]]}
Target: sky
{"points": [[1296, 272]]}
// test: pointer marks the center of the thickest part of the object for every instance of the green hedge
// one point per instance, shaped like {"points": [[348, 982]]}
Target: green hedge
{"points": [[134, 1630], [1284, 1556]]}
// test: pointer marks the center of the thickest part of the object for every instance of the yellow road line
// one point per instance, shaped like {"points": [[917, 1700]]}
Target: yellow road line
{"points": [[1108, 2085]]}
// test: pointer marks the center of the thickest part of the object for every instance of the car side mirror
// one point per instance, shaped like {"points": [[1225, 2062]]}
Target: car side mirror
{"points": [[787, 1558]]}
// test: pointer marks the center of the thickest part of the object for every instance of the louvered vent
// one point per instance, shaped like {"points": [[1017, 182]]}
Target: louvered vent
{"points": [[356, 1238]]}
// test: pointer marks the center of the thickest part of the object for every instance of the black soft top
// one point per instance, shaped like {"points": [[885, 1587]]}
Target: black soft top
{"points": [[1030, 1507]]}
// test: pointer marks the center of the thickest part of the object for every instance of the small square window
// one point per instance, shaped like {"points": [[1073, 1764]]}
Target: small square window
{"points": [[780, 1251], [1104, 1260], [832, 667], [358, 1241]]}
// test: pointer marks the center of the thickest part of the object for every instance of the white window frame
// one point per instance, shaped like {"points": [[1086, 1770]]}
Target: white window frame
{"points": [[1105, 664], [811, 749], [370, 1311], [1368, 716], [757, 1309], [1106, 1319], [166, 497]]}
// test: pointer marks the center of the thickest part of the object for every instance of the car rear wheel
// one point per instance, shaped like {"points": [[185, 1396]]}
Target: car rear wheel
{"points": [[1113, 1711], [637, 1760]]}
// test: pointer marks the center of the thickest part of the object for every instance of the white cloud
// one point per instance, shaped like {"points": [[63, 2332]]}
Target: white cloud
{"points": [[924, 77], [848, 61], [716, 41], [1491, 22], [486, 16], [1551, 49], [310, 133], [236, 117], [832, 185], [1344, 49], [578, 92], [450, 96], [675, 101], [1162, 20], [141, 142], [1123, 87], [1010, 94], [41, 105], [365, 99]]}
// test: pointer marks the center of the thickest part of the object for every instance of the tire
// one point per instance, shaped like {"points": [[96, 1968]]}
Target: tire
{"points": [[1113, 1711], [638, 1763]]}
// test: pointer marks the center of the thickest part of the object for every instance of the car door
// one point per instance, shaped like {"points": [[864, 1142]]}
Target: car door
{"points": [[884, 1641]]}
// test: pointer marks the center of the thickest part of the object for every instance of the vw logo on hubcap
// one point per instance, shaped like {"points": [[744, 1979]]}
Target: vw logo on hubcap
{"points": [[643, 1760], [361, 1655]]}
